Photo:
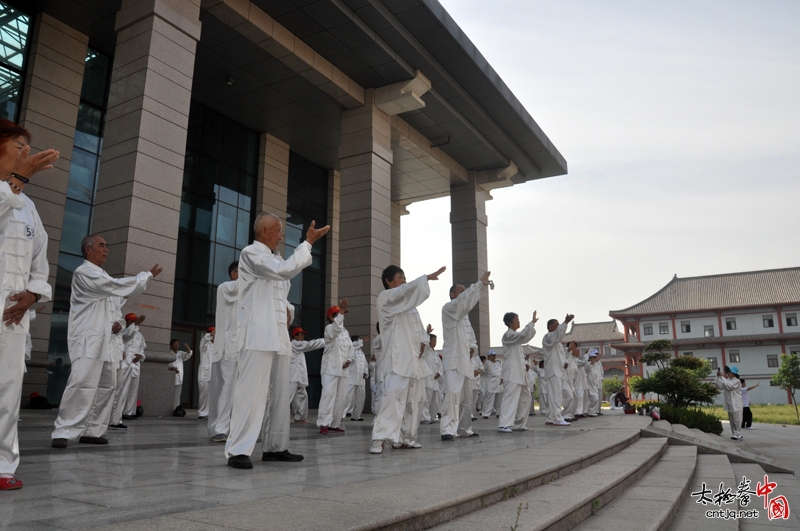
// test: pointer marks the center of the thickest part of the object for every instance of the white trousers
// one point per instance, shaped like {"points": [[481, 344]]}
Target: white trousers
{"points": [[457, 405], [735, 418], [133, 397], [430, 406], [223, 383], [298, 400], [202, 389], [87, 400], [176, 395], [260, 403], [332, 401], [568, 396], [580, 405], [515, 407], [12, 370], [121, 394], [488, 404], [397, 419], [543, 406], [554, 398], [355, 401], [377, 395], [593, 406]]}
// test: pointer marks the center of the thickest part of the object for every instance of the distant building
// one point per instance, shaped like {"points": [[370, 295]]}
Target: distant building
{"points": [[600, 336], [744, 319]]}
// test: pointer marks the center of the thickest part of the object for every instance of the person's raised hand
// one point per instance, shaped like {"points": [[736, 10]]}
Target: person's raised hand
{"points": [[343, 304], [485, 278], [435, 276], [534, 318], [28, 166], [313, 234], [186, 345], [139, 320], [569, 318], [429, 329], [155, 270]]}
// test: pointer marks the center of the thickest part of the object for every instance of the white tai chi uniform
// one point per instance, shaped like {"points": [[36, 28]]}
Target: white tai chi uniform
{"points": [[459, 375], [180, 357], [204, 374], [543, 403], [298, 398], [493, 375], [265, 348], [591, 385], [135, 346], [123, 371], [554, 360], [568, 387], [531, 376], [579, 384], [338, 351], [88, 398], [376, 385], [225, 361], [117, 346], [430, 406], [356, 379], [598, 366], [23, 267], [732, 395], [372, 366], [477, 383], [516, 397], [403, 335]]}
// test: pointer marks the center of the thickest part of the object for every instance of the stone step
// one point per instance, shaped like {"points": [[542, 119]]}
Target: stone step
{"points": [[680, 428], [712, 470], [566, 502], [650, 503], [787, 485]]}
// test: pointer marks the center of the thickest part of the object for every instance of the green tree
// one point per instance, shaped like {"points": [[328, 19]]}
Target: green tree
{"points": [[677, 381], [633, 382], [612, 385], [788, 377]]}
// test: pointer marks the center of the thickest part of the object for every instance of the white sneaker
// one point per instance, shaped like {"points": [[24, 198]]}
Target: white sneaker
{"points": [[562, 423], [376, 448], [524, 428], [749, 428], [504, 430]]}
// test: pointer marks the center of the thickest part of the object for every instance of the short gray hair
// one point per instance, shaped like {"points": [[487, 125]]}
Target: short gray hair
{"points": [[88, 243], [264, 219]]}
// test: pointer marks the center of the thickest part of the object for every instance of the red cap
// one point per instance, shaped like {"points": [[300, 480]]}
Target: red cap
{"points": [[296, 330], [131, 317], [332, 311], [211, 329]]}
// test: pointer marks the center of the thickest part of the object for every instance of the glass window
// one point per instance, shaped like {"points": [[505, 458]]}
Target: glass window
{"points": [[10, 85], [14, 31], [226, 224], [663, 328], [768, 321], [82, 176], [648, 329], [791, 319], [772, 360], [76, 217], [713, 362], [89, 129], [686, 327], [97, 70], [734, 356], [708, 330], [730, 323], [688, 354]]}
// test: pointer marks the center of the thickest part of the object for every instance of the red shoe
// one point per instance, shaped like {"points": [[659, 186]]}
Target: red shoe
{"points": [[323, 430], [337, 430], [10, 484]]}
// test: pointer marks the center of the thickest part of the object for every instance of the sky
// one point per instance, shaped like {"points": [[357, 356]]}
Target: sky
{"points": [[680, 124]]}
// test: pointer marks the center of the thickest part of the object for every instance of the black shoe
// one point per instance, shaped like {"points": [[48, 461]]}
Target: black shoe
{"points": [[129, 417], [474, 434], [93, 440], [240, 461], [448, 438], [202, 418], [121, 426], [359, 419], [281, 456], [58, 443]]}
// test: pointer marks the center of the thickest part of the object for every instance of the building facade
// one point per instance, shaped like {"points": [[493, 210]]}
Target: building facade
{"points": [[179, 120], [744, 319]]}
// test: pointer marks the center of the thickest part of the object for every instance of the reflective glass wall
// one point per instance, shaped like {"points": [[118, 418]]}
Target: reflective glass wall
{"points": [[14, 33]]}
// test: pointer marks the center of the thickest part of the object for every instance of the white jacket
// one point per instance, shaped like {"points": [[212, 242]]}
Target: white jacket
{"points": [[492, 376], [180, 357], [226, 342], [357, 370], [377, 351], [338, 348], [23, 253], [731, 392], [513, 358], [298, 371], [553, 351], [402, 331], [135, 345], [475, 361], [262, 304], [93, 309], [431, 359], [459, 336], [206, 357]]}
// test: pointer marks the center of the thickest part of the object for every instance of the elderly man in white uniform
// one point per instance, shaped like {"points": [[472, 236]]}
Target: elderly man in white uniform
{"points": [[226, 358], [493, 375], [568, 390], [299, 372], [430, 406], [458, 348], [540, 372], [516, 398], [336, 358], [404, 340], [262, 312], [88, 397], [357, 375], [207, 355], [177, 367], [135, 353], [592, 384], [23, 278], [555, 365], [124, 372]]}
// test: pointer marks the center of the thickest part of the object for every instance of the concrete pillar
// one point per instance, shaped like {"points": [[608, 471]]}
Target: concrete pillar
{"points": [[398, 211], [470, 259], [366, 226], [273, 178], [141, 175], [49, 110], [332, 244]]}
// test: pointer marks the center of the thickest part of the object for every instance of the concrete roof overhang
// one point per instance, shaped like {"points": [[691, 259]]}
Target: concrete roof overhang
{"points": [[470, 115]]}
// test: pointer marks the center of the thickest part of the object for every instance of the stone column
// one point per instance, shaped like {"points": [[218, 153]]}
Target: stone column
{"points": [[273, 178], [332, 245], [49, 110], [141, 175], [470, 259], [365, 240], [398, 211]]}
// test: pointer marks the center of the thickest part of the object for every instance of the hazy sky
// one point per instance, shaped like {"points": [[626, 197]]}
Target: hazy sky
{"points": [[680, 122]]}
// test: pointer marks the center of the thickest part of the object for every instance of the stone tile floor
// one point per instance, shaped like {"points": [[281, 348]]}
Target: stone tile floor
{"points": [[164, 466]]}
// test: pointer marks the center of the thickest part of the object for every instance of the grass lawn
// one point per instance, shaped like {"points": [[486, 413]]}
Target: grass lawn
{"points": [[768, 414]]}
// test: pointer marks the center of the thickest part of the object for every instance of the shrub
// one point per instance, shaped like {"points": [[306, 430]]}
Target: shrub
{"points": [[688, 416]]}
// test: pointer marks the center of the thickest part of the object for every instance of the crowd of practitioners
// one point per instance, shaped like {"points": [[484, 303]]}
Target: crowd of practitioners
{"points": [[252, 373]]}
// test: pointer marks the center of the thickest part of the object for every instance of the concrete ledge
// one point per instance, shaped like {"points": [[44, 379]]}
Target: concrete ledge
{"points": [[706, 445]]}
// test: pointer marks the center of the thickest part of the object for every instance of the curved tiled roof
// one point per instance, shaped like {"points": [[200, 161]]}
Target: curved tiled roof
{"points": [[735, 290], [715, 340], [594, 332]]}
